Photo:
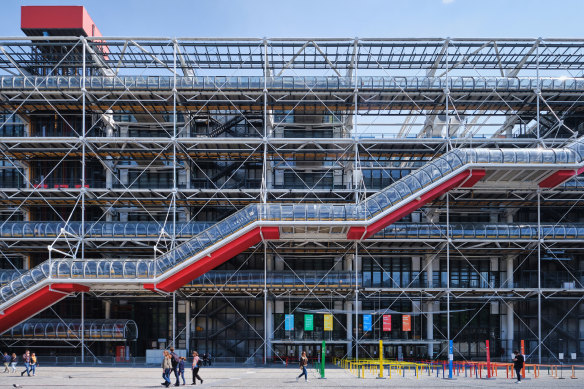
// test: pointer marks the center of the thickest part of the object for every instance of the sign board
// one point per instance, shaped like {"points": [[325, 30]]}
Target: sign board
{"points": [[289, 322], [328, 322], [386, 322], [406, 323], [308, 322], [367, 321]]}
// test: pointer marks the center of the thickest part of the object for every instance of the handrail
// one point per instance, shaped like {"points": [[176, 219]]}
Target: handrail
{"points": [[412, 83], [94, 329], [400, 230]]}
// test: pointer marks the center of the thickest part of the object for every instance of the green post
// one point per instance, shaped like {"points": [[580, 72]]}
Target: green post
{"points": [[322, 358]]}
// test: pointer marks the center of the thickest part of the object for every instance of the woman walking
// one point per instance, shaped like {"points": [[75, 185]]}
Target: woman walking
{"points": [[303, 364], [196, 362], [166, 368], [33, 363], [13, 362]]}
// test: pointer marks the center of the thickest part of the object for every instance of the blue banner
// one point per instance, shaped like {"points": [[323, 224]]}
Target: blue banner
{"points": [[450, 357], [367, 320], [289, 322]]}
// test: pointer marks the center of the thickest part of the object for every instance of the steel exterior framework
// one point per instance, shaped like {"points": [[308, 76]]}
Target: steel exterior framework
{"points": [[383, 111]]}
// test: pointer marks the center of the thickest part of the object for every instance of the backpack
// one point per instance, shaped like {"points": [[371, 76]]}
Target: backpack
{"points": [[175, 359]]}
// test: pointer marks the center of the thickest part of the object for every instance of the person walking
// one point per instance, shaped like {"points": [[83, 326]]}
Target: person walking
{"points": [[6, 361], [181, 369], [175, 359], [26, 360], [195, 366], [33, 363], [13, 362], [518, 362], [166, 367], [303, 364]]}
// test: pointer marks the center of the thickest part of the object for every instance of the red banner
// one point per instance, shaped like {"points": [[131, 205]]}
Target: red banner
{"points": [[406, 323], [523, 353], [386, 322], [488, 360]]}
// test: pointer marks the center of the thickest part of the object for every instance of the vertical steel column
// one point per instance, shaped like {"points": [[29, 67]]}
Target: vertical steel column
{"points": [[174, 140], [83, 91], [356, 301], [355, 135], [188, 325], [265, 197], [538, 216], [356, 188], [83, 133], [265, 303], [265, 157], [82, 327], [173, 319], [174, 186], [448, 240], [539, 343]]}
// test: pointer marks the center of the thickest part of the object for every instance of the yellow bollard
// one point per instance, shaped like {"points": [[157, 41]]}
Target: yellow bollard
{"points": [[380, 358]]}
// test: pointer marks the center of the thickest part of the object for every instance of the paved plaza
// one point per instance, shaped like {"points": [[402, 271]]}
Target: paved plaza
{"points": [[253, 377]]}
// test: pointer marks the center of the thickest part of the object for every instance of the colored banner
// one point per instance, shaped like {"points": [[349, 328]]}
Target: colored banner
{"points": [[386, 322], [328, 322], [488, 359], [406, 323], [450, 357], [524, 361], [289, 322], [308, 322], [367, 321]]}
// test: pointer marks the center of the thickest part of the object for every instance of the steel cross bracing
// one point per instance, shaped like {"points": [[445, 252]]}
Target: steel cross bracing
{"points": [[369, 88], [460, 167]]}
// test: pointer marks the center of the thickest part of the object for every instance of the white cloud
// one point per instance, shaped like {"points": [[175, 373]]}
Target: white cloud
{"points": [[447, 1]]}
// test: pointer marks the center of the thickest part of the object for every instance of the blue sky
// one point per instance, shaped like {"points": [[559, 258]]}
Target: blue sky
{"points": [[322, 18]]}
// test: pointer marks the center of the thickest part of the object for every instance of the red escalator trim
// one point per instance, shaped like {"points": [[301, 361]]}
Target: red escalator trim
{"points": [[356, 233], [558, 177], [215, 259], [463, 177], [36, 302], [475, 176]]}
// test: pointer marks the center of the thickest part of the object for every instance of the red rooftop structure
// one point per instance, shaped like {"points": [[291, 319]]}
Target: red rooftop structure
{"points": [[57, 21]]}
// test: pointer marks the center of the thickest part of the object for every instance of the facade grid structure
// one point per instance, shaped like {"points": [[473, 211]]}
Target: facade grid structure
{"points": [[435, 178]]}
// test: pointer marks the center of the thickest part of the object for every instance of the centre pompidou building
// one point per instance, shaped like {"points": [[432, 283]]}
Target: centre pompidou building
{"points": [[250, 198]]}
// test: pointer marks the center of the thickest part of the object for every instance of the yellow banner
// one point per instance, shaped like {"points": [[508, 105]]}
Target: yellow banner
{"points": [[328, 322]]}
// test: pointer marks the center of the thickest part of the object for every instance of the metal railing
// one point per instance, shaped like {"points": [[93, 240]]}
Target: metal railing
{"points": [[527, 84], [70, 329]]}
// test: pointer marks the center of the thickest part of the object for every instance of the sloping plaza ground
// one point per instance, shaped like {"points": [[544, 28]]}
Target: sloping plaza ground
{"points": [[253, 377]]}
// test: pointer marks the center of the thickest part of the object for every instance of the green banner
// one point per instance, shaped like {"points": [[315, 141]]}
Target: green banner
{"points": [[308, 322]]}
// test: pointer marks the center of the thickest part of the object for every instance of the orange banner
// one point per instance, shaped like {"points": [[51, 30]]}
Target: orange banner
{"points": [[406, 323]]}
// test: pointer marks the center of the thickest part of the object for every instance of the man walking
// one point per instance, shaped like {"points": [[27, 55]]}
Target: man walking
{"points": [[175, 359], [518, 362], [6, 360], [26, 360]]}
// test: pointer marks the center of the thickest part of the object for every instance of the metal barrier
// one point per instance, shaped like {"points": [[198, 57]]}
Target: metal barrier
{"points": [[468, 369]]}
